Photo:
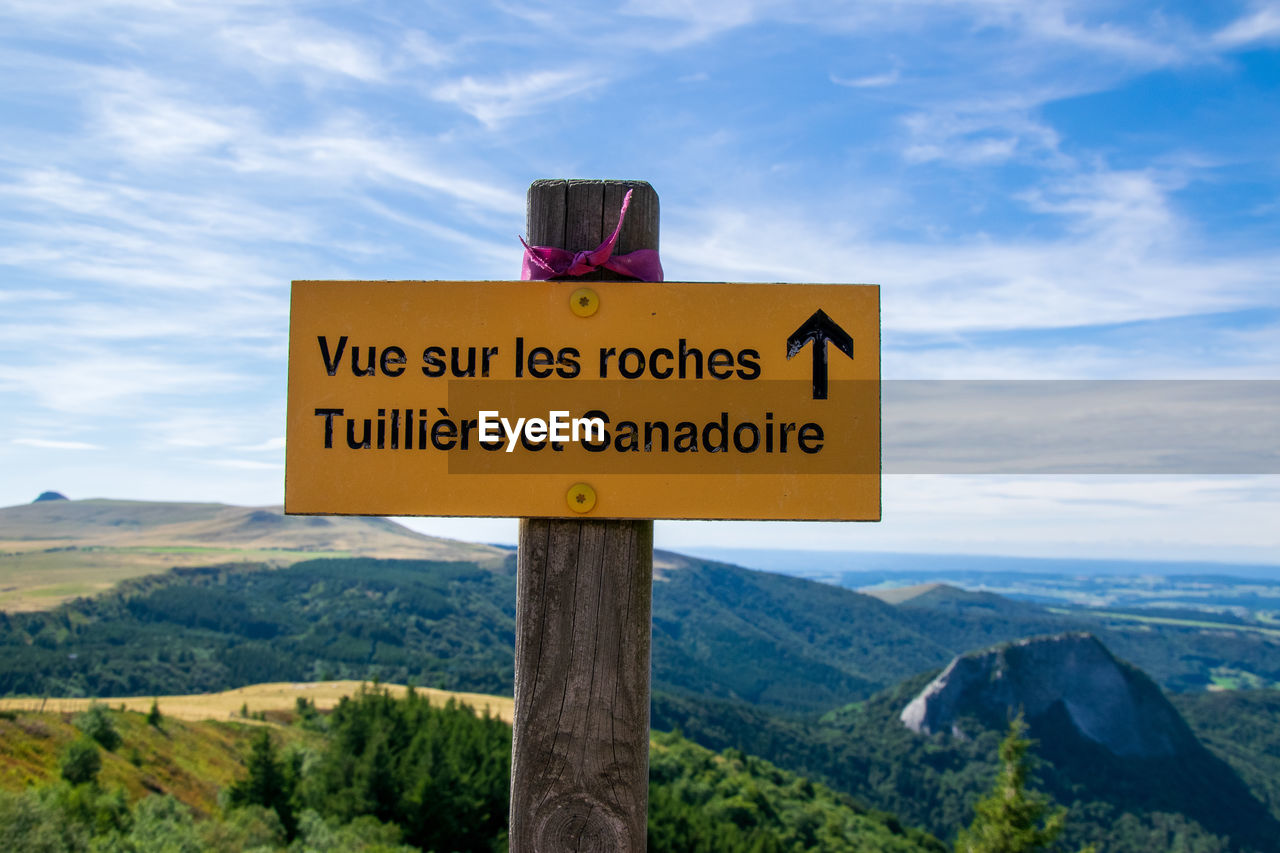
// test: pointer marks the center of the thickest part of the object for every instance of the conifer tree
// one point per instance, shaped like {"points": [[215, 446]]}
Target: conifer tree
{"points": [[1011, 819], [270, 783]]}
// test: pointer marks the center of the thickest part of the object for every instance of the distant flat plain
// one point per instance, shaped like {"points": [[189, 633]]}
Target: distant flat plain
{"points": [[52, 551]]}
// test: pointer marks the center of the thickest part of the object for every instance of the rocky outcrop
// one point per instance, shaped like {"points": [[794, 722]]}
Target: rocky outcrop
{"points": [[1067, 679]]}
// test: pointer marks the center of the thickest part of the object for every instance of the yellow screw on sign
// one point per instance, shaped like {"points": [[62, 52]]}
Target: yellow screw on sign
{"points": [[584, 302], [581, 498]]}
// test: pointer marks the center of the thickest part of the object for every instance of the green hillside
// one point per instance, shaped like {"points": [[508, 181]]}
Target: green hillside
{"points": [[445, 625], [718, 631], [375, 774], [190, 761], [1123, 806], [360, 773], [1242, 727], [778, 641]]}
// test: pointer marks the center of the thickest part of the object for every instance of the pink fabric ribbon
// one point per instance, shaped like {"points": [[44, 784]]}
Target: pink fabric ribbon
{"points": [[543, 263]]}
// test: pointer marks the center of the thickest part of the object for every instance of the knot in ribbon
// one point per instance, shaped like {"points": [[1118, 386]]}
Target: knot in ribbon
{"points": [[543, 263]]}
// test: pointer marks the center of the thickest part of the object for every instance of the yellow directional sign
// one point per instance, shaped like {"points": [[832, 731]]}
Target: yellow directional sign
{"points": [[600, 400]]}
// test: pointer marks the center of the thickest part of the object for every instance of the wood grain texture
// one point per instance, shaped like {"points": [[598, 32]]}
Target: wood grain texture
{"points": [[580, 753], [578, 215]]}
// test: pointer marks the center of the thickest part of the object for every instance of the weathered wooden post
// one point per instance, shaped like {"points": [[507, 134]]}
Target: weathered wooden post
{"points": [[580, 754]]}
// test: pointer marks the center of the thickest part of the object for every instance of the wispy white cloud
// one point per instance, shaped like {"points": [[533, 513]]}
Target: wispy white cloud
{"points": [[187, 217], [105, 323], [124, 20], [1123, 255], [487, 252], [419, 48], [302, 44], [200, 426], [495, 100], [130, 261], [1047, 28], [347, 154], [248, 464], [105, 382], [1129, 209], [272, 444], [870, 81], [33, 296], [699, 21], [978, 99], [55, 444], [1259, 26], [142, 119], [990, 129], [164, 126], [1158, 45]]}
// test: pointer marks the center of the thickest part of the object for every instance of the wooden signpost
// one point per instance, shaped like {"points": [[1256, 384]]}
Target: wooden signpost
{"points": [[714, 401], [580, 746]]}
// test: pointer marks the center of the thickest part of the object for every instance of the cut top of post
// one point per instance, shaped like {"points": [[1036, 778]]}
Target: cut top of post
{"points": [[578, 215]]}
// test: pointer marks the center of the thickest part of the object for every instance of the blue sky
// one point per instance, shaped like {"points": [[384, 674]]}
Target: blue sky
{"points": [[1050, 190]]}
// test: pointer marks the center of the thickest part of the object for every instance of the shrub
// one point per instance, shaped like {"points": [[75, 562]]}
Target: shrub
{"points": [[32, 823], [81, 761], [96, 723]]}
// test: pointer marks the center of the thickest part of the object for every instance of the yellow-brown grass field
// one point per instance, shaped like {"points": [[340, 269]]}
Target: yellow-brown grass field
{"points": [[267, 698]]}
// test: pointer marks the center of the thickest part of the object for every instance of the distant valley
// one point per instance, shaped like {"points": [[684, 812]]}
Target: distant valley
{"points": [[759, 637], [1191, 594]]}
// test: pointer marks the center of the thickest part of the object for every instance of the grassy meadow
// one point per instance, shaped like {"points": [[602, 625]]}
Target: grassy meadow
{"points": [[268, 699]]}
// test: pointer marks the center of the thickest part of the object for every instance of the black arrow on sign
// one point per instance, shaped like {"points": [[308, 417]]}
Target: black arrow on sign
{"points": [[819, 328]]}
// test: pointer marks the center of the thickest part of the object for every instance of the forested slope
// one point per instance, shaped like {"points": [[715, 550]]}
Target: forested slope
{"points": [[791, 645], [377, 774]]}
